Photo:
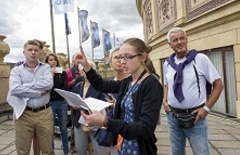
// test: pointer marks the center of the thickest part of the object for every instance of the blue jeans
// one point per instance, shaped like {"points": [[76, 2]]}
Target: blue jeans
{"points": [[197, 137], [59, 109]]}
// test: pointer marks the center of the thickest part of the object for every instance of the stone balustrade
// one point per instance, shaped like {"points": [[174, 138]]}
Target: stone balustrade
{"points": [[5, 109]]}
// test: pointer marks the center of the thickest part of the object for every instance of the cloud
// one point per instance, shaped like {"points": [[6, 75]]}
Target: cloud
{"points": [[29, 19]]}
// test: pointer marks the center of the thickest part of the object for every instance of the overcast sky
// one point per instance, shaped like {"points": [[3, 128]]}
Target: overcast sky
{"points": [[22, 20]]}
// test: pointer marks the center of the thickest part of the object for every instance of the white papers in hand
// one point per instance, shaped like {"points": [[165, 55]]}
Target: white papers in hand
{"points": [[75, 100]]}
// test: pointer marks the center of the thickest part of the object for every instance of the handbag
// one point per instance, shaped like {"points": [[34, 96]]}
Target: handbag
{"points": [[185, 120], [104, 137]]}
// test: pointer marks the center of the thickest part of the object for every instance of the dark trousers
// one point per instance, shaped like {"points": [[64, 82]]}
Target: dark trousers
{"points": [[72, 141]]}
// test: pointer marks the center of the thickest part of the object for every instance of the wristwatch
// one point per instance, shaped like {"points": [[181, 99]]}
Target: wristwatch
{"points": [[105, 123]]}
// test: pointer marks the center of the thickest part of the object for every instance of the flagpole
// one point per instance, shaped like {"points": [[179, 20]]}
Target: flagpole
{"points": [[52, 27], [114, 40], [104, 49], [79, 27], [67, 41]]}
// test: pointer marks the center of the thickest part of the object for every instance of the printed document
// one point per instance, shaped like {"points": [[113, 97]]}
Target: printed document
{"points": [[75, 100]]}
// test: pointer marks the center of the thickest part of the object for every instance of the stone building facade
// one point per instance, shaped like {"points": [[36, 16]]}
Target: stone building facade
{"points": [[213, 27]]}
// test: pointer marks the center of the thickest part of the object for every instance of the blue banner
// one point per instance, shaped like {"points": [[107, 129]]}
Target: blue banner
{"points": [[107, 45], [82, 15], [67, 27], [95, 34]]}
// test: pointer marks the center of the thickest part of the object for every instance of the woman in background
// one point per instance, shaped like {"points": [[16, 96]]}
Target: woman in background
{"points": [[58, 104], [82, 133], [115, 63]]}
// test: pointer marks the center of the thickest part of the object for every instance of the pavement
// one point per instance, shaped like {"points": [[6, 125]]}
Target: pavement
{"points": [[224, 137]]}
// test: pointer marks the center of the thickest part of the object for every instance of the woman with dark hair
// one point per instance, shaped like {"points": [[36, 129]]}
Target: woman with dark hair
{"points": [[58, 104]]}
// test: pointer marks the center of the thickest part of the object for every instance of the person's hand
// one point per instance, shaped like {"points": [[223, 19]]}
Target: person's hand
{"points": [[200, 114], [110, 98], [166, 107], [53, 71], [83, 60], [93, 119]]}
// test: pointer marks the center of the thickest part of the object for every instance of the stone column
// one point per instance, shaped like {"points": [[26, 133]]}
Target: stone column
{"points": [[4, 48], [236, 49], [44, 52], [181, 14], [4, 70], [63, 60]]}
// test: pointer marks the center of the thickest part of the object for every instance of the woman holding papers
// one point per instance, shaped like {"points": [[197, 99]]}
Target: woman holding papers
{"points": [[82, 133], [58, 104], [138, 105]]}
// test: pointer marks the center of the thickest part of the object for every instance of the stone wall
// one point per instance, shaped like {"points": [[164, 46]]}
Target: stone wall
{"points": [[4, 79], [210, 25]]}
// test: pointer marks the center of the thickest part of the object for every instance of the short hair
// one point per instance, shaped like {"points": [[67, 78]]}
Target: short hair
{"points": [[174, 30], [40, 43], [32, 42], [74, 55]]}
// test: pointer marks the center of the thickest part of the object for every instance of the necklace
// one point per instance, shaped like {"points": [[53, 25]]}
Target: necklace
{"points": [[86, 88]]}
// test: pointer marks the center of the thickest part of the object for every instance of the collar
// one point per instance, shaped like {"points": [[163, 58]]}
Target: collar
{"points": [[39, 63]]}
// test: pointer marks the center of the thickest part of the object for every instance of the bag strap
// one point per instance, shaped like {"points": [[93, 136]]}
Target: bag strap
{"points": [[198, 83]]}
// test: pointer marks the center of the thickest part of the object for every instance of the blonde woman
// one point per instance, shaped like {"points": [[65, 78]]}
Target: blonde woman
{"points": [[81, 133]]}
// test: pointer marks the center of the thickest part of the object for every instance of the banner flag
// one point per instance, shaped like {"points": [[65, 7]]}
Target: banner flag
{"points": [[95, 34], [107, 45], [67, 27], [63, 6], [83, 27]]}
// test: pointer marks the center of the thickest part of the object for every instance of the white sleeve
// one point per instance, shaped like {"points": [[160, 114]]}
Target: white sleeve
{"points": [[210, 72]]}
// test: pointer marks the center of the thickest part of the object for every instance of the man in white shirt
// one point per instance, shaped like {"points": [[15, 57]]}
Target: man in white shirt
{"points": [[186, 73], [29, 87]]}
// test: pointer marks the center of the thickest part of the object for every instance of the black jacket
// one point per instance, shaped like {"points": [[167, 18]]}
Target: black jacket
{"points": [[90, 93], [60, 82], [147, 102]]}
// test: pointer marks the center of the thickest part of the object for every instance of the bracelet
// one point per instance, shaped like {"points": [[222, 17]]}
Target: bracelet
{"points": [[206, 108]]}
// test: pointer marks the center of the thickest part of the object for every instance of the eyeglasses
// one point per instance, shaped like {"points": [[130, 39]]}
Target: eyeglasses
{"points": [[117, 57], [126, 57]]}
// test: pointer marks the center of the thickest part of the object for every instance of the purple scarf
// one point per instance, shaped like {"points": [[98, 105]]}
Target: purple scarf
{"points": [[178, 77]]}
